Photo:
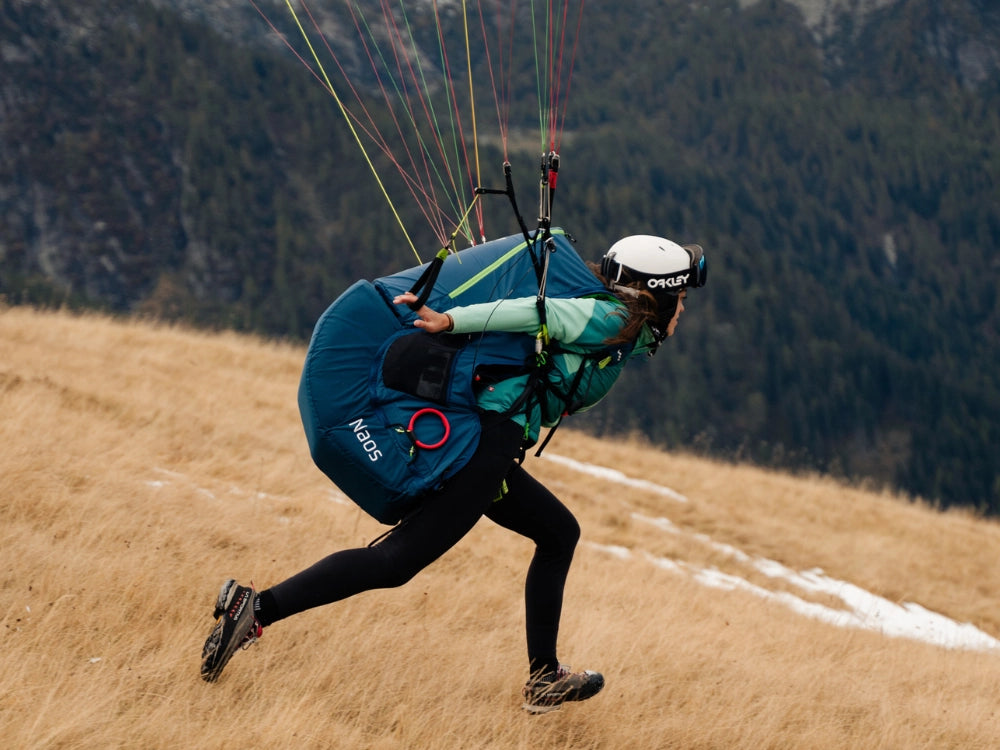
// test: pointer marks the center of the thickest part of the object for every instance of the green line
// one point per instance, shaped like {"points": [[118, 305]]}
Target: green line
{"points": [[452, 191], [354, 132], [492, 267], [541, 74]]}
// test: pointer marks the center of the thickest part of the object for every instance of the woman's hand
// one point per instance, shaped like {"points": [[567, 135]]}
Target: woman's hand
{"points": [[429, 320]]}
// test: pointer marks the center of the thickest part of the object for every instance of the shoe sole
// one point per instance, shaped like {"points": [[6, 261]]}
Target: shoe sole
{"points": [[537, 710], [244, 624]]}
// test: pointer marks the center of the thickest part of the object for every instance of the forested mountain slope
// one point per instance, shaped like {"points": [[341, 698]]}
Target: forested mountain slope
{"points": [[840, 168]]}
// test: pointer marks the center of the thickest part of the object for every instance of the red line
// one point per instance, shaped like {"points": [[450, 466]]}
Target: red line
{"points": [[400, 85]]}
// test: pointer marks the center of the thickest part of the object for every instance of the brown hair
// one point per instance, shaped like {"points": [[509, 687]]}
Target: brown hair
{"points": [[641, 309]]}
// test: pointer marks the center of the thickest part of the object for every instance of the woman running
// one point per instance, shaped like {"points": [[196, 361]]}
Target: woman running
{"points": [[647, 279]]}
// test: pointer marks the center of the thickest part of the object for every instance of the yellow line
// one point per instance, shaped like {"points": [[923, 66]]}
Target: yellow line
{"points": [[354, 132], [472, 97]]}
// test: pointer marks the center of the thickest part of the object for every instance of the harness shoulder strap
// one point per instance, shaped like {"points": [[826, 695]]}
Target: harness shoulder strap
{"points": [[600, 358]]}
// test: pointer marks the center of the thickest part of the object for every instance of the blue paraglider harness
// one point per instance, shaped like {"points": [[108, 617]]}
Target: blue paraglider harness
{"points": [[390, 411]]}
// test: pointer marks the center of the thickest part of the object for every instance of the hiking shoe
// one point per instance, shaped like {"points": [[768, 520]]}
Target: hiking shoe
{"points": [[547, 692], [235, 627]]}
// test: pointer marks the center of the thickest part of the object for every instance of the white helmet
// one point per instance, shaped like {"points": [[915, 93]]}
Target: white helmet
{"points": [[657, 265]]}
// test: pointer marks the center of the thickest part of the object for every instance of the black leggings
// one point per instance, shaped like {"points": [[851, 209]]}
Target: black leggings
{"points": [[443, 518]]}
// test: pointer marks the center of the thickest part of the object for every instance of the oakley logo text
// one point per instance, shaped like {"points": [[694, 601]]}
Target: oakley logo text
{"points": [[669, 283]]}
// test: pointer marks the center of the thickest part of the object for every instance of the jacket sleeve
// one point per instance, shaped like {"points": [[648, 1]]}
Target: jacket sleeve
{"points": [[582, 322]]}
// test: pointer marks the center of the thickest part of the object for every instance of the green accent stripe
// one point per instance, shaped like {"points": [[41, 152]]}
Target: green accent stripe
{"points": [[464, 287]]}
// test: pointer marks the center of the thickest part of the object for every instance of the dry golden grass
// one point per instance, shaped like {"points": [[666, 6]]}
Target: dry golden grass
{"points": [[142, 465]]}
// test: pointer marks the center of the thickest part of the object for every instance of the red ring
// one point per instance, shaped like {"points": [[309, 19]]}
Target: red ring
{"points": [[444, 421]]}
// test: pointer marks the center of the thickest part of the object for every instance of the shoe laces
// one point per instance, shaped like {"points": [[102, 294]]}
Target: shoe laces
{"points": [[255, 632], [564, 670], [541, 683]]}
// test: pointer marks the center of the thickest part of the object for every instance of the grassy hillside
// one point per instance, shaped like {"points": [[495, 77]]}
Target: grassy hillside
{"points": [[144, 464]]}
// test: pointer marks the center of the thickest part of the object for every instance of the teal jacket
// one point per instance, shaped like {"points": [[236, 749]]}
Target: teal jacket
{"points": [[580, 326]]}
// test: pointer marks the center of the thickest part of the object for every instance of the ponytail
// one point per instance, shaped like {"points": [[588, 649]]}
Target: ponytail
{"points": [[640, 308]]}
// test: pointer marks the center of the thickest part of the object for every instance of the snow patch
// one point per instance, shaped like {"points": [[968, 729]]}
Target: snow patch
{"points": [[613, 475], [862, 609]]}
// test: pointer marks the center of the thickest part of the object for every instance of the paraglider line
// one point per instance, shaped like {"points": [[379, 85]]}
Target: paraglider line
{"points": [[350, 125]]}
